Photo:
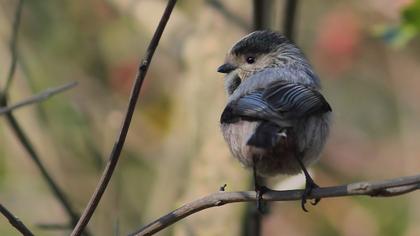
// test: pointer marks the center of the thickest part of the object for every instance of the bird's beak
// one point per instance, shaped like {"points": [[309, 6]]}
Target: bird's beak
{"points": [[226, 68]]}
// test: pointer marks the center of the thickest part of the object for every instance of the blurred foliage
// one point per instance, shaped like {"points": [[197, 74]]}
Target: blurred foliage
{"points": [[411, 15], [408, 28]]}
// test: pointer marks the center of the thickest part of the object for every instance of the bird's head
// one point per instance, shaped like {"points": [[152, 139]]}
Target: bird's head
{"points": [[260, 50]]}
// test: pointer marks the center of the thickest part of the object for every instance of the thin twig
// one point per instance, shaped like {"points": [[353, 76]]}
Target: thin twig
{"points": [[16, 222], [290, 18], [119, 142], [384, 188], [13, 46], [38, 97], [54, 226], [258, 10]]}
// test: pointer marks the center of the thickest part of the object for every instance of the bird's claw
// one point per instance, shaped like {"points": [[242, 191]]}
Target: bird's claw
{"points": [[310, 185], [260, 190]]}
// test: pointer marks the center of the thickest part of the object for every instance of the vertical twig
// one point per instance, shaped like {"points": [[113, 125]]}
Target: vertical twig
{"points": [[119, 143], [258, 6], [253, 218], [18, 224], [263, 12], [290, 18], [13, 46]]}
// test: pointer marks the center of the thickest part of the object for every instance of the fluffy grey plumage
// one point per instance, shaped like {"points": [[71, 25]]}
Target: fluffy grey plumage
{"points": [[275, 114]]}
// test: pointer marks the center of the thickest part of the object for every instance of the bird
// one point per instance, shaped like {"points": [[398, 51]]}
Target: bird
{"points": [[276, 121]]}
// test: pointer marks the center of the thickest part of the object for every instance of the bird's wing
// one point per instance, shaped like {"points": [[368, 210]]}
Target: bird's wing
{"points": [[281, 102], [294, 101]]}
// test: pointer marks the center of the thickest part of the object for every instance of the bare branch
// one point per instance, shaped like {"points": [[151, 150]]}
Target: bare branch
{"points": [[16, 128], [25, 141], [18, 224], [384, 188], [260, 19], [13, 46], [38, 97], [54, 226], [119, 142]]}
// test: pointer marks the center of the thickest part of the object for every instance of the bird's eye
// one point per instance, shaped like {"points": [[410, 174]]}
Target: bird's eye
{"points": [[250, 60]]}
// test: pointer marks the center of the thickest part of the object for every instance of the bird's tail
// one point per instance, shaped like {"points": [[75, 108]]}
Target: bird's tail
{"points": [[267, 135]]}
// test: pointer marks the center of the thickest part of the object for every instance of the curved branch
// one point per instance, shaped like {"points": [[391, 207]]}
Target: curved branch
{"points": [[18, 224], [119, 142], [384, 188]]}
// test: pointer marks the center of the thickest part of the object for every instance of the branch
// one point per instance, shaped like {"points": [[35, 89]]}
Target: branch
{"points": [[258, 14], [16, 128], [119, 142], [54, 226], [384, 188], [58, 193], [18, 224], [13, 46], [38, 97]]}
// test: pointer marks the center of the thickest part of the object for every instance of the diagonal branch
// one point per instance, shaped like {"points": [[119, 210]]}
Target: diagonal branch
{"points": [[16, 128], [119, 142], [384, 188], [57, 191], [38, 97], [18, 224]]}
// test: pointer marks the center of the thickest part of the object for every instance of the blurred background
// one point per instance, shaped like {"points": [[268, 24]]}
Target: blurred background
{"points": [[365, 51]]}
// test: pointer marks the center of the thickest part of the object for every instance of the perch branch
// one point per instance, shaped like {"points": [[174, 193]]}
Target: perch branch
{"points": [[38, 97], [18, 224], [384, 188], [119, 142]]}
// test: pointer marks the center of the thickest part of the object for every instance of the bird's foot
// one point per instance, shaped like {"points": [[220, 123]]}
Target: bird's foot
{"points": [[260, 190], [310, 185]]}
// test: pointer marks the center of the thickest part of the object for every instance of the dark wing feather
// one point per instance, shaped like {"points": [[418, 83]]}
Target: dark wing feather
{"points": [[294, 101], [249, 107], [281, 102]]}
